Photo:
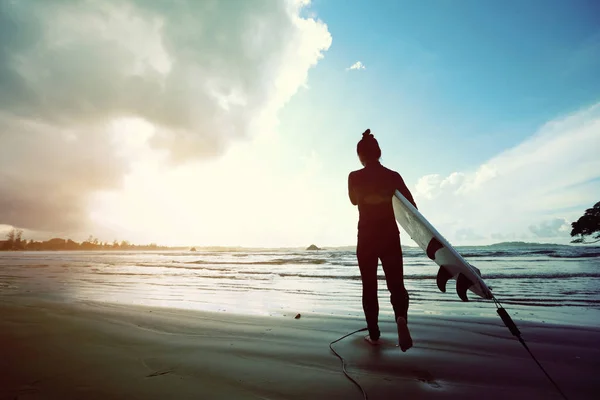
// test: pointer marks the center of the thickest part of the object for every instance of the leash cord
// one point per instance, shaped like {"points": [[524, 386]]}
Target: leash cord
{"points": [[512, 327], [344, 364]]}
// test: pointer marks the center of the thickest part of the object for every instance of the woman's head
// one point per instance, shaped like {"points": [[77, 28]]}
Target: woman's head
{"points": [[368, 149]]}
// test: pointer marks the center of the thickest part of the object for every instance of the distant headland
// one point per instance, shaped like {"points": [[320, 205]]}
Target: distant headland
{"points": [[521, 244]]}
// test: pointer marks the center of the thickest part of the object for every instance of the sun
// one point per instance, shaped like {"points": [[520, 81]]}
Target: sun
{"points": [[239, 198]]}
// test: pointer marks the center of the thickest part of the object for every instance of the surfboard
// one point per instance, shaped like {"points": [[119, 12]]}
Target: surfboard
{"points": [[452, 264]]}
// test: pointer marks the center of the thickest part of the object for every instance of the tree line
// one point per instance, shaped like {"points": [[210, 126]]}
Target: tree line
{"points": [[14, 241]]}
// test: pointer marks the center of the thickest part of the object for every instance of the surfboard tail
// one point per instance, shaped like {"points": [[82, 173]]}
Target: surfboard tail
{"points": [[451, 263]]}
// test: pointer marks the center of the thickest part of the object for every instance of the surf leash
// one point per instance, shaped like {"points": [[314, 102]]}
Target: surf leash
{"points": [[512, 327], [344, 364], [506, 319]]}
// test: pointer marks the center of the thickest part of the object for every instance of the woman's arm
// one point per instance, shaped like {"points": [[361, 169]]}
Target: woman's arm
{"points": [[401, 186], [351, 192]]}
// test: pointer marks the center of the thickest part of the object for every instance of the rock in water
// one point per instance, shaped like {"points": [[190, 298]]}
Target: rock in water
{"points": [[312, 247]]}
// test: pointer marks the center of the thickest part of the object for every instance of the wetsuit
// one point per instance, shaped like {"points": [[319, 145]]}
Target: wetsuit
{"points": [[372, 188]]}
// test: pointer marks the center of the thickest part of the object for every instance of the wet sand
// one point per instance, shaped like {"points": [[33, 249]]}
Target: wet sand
{"points": [[51, 350]]}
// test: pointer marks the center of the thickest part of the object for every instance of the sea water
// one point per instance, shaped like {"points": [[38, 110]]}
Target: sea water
{"points": [[543, 283]]}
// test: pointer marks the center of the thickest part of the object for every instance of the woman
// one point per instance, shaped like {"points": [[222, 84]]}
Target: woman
{"points": [[372, 188]]}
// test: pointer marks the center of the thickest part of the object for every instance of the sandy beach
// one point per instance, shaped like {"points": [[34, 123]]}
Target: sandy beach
{"points": [[88, 350]]}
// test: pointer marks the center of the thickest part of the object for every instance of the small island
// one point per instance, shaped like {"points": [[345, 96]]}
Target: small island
{"points": [[312, 247]]}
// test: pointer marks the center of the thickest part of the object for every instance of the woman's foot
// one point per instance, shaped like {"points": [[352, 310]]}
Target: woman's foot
{"points": [[404, 339], [374, 342]]}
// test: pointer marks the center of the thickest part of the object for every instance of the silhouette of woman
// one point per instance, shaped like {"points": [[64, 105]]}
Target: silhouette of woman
{"points": [[372, 188]]}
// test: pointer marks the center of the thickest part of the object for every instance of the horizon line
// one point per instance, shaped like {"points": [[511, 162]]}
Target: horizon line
{"points": [[298, 247]]}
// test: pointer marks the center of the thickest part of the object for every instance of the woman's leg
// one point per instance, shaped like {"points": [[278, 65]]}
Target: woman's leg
{"points": [[391, 260], [367, 262]]}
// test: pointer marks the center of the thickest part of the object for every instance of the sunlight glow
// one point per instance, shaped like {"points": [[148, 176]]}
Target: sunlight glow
{"points": [[237, 199]]}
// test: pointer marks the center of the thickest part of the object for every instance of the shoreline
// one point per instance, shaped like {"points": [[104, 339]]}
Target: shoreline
{"points": [[101, 350]]}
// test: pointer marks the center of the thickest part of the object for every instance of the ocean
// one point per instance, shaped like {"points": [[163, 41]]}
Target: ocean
{"points": [[542, 283]]}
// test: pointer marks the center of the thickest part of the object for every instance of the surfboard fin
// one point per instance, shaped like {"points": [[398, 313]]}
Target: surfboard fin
{"points": [[462, 284], [443, 276], [432, 247], [476, 269]]}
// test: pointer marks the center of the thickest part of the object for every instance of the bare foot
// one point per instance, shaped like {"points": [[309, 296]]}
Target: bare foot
{"points": [[404, 339], [371, 341]]}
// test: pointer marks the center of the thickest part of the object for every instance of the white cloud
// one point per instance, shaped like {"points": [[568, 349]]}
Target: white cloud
{"points": [[431, 186], [534, 188], [468, 235], [357, 65], [556, 227], [201, 74]]}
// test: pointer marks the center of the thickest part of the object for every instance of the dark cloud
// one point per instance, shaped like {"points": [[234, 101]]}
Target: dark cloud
{"points": [[47, 174], [199, 71]]}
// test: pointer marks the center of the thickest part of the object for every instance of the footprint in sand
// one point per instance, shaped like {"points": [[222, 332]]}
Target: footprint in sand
{"points": [[156, 367], [426, 377], [158, 373], [27, 392]]}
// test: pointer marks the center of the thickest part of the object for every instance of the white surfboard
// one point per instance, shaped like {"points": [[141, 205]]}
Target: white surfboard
{"points": [[452, 264]]}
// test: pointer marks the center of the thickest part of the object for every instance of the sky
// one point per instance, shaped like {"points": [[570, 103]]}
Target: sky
{"points": [[235, 123]]}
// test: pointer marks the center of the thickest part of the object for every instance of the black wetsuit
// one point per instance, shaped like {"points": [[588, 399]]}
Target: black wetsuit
{"points": [[372, 188]]}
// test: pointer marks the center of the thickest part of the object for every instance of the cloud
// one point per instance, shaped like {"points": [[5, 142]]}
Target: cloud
{"points": [[46, 173], [357, 65], [503, 237], [556, 227], [468, 234], [534, 188], [431, 186], [202, 74]]}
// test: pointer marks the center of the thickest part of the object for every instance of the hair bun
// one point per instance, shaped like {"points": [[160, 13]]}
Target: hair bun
{"points": [[368, 148]]}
